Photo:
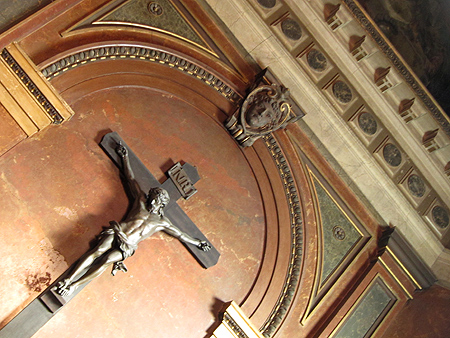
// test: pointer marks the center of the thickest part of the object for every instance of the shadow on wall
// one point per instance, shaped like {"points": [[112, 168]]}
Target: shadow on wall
{"points": [[425, 316], [420, 31], [216, 310], [15, 11]]}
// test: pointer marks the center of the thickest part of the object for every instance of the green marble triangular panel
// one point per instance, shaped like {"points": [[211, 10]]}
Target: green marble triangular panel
{"points": [[160, 15], [339, 234]]}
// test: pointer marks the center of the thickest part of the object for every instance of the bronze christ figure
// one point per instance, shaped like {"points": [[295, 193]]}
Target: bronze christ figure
{"points": [[120, 240]]}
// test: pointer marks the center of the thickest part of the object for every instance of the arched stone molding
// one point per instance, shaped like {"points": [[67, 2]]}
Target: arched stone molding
{"points": [[147, 54], [274, 289]]}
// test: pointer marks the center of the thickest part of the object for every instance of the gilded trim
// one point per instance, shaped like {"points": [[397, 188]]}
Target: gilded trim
{"points": [[31, 87], [295, 260], [229, 321], [118, 23], [396, 279], [416, 283], [112, 52], [375, 279]]}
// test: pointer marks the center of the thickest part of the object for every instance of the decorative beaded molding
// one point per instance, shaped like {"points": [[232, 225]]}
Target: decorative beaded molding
{"points": [[227, 319], [399, 65], [139, 53], [31, 87], [292, 277]]}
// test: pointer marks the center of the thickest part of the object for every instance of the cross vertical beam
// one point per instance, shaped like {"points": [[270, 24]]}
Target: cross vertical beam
{"points": [[172, 211], [43, 308]]}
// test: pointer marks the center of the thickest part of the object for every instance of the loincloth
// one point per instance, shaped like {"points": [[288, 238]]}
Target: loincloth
{"points": [[121, 242]]}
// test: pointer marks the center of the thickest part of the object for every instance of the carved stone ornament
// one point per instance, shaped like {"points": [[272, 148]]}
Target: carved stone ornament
{"points": [[263, 111]]}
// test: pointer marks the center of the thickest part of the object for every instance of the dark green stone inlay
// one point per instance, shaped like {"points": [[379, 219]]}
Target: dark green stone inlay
{"points": [[416, 186], [159, 14], [367, 123], [392, 155], [316, 60], [291, 29], [336, 244], [440, 216], [267, 3], [342, 92], [367, 312], [12, 12]]}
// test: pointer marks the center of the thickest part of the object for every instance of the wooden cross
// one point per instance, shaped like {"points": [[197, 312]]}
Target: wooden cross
{"points": [[180, 184]]}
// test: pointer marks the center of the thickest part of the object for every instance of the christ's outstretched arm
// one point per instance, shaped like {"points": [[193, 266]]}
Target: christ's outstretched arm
{"points": [[128, 173], [184, 237]]}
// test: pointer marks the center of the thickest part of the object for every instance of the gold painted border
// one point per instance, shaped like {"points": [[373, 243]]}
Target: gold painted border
{"points": [[395, 277], [392, 304], [319, 214], [119, 23], [317, 278], [416, 283]]}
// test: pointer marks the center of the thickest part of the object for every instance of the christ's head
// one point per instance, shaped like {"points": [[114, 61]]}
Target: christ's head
{"points": [[157, 199]]}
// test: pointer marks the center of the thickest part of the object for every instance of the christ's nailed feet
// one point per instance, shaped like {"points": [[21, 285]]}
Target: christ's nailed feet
{"points": [[65, 288]]}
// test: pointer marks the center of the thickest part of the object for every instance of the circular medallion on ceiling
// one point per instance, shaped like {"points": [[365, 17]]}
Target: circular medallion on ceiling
{"points": [[342, 92], [392, 155], [291, 29], [367, 123], [155, 8], [316, 60], [267, 3], [440, 217], [339, 233], [416, 186]]}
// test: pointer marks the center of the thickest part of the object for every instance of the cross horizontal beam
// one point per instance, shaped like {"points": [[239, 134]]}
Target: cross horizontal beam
{"points": [[172, 211], [43, 308]]}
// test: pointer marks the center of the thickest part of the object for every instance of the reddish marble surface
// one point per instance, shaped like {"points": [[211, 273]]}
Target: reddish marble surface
{"points": [[10, 132], [426, 316], [62, 189]]}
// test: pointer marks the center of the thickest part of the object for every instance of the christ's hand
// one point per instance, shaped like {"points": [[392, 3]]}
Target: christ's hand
{"points": [[121, 150], [204, 246]]}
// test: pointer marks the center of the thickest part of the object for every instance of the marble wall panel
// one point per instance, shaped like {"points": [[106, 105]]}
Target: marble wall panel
{"points": [[69, 189], [426, 316], [10, 132], [339, 234], [367, 312]]}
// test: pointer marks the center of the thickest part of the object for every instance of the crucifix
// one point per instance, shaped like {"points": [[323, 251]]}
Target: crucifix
{"points": [[150, 212]]}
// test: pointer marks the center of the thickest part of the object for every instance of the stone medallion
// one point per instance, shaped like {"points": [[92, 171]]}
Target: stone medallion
{"points": [[440, 217], [291, 29], [416, 186], [316, 60], [342, 92], [367, 123], [339, 233], [267, 3], [155, 8], [392, 155]]}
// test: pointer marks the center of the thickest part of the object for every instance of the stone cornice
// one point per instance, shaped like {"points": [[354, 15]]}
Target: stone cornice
{"points": [[325, 120]]}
